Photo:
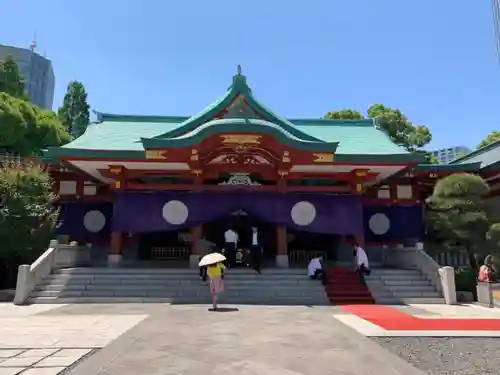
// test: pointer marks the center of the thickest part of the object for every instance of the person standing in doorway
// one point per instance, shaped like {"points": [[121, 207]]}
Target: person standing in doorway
{"points": [[231, 240], [256, 250]]}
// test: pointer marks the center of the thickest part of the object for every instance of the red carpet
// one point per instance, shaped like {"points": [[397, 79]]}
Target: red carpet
{"points": [[343, 287], [395, 320]]}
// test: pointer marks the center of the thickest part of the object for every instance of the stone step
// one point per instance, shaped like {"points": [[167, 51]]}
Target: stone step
{"points": [[398, 278], [170, 278], [410, 288], [231, 286], [423, 282], [416, 294], [423, 300], [179, 284], [201, 301], [394, 272], [173, 271], [180, 293]]}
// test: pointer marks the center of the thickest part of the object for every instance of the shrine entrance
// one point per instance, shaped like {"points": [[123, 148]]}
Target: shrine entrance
{"points": [[242, 222]]}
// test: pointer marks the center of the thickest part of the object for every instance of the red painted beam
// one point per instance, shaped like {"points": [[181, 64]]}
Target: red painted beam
{"points": [[162, 187]]}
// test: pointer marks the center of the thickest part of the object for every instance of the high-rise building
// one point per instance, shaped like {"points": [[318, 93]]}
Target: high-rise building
{"points": [[39, 78], [495, 9], [445, 155]]}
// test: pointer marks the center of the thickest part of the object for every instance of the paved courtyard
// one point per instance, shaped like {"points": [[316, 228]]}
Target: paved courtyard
{"points": [[163, 339], [131, 339]]}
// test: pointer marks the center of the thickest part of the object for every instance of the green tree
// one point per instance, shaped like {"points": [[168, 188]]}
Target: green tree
{"points": [[27, 216], [74, 112], [26, 129], [457, 214], [395, 124], [494, 136], [11, 80], [344, 114], [399, 128]]}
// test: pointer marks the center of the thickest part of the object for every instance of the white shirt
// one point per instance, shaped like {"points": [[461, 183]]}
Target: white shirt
{"points": [[255, 240], [230, 236], [314, 264], [361, 257]]}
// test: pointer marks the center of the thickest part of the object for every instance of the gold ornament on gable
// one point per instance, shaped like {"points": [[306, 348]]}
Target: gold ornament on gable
{"points": [[156, 154], [241, 139], [323, 157]]}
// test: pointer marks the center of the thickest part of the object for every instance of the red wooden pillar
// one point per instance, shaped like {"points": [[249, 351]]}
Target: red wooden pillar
{"points": [[196, 233], [115, 248], [281, 247]]}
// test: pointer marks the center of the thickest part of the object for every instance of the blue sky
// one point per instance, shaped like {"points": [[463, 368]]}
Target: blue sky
{"points": [[433, 59]]}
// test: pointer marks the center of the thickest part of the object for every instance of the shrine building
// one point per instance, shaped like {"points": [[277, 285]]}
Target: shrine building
{"points": [[140, 187]]}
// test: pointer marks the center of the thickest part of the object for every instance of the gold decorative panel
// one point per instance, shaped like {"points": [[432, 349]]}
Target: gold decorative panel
{"points": [[116, 169], [194, 155], [241, 139], [156, 154], [326, 157]]}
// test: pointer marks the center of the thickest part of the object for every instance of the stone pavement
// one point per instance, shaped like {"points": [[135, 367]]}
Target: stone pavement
{"points": [[163, 339], [241, 340], [33, 342]]}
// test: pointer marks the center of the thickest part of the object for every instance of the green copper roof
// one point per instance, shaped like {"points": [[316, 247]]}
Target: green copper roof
{"points": [[487, 157], [124, 136], [434, 168], [244, 126]]}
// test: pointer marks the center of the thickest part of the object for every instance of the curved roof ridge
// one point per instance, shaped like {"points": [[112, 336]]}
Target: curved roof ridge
{"points": [[239, 87], [246, 126], [328, 122]]}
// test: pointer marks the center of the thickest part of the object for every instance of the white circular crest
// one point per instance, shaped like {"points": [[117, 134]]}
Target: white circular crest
{"points": [[94, 221], [379, 224], [175, 212], [303, 213]]}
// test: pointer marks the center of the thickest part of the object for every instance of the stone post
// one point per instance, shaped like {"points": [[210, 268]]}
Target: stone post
{"points": [[485, 294], [23, 285], [447, 275]]}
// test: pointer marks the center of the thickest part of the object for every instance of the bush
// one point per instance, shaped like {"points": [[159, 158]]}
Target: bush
{"points": [[465, 280], [27, 217]]}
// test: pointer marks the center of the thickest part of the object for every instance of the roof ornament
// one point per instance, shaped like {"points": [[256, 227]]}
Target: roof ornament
{"points": [[239, 70]]}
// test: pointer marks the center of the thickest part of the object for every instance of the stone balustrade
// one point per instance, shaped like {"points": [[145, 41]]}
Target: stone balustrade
{"points": [[56, 256]]}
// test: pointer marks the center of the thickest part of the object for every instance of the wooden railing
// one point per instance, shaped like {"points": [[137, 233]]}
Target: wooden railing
{"points": [[170, 252], [304, 256]]}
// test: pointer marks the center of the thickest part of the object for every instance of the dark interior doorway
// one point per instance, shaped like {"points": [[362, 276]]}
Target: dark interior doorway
{"points": [[171, 244], [241, 222], [313, 244]]}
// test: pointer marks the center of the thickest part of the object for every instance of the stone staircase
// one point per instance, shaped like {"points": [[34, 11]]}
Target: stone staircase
{"points": [[399, 286], [178, 286]]}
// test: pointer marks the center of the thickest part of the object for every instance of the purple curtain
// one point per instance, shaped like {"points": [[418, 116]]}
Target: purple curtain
{"points": [[85, 220], [393, 223], [318, 213]]}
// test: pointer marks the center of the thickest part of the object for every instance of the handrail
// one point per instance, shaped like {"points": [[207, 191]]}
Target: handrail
{"points": [[28, 276]]}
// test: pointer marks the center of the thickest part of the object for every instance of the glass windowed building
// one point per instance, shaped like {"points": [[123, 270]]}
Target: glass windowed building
{"points": [[39, 78], [445, 155]]}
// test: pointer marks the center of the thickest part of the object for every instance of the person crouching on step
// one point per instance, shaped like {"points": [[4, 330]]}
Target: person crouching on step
{"points": [[215, 274]]}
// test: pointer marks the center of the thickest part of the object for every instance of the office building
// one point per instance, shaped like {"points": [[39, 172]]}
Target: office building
{"points": [[445, 155], [39, 79]]}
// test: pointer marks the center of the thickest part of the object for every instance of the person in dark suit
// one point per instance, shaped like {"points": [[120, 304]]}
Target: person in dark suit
{"points": [[256, 250]]}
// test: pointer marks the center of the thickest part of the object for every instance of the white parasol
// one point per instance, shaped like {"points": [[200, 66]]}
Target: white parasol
{"points": [[211, 258]]}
